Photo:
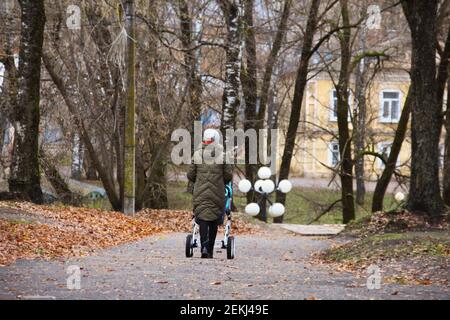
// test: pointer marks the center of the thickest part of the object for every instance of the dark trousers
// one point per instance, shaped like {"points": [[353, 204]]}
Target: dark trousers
{"points": [[208, 233]]}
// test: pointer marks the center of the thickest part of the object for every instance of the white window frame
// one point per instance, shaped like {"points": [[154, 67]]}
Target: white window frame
{"points": [[380, 146], [332, 107], [389, 119], [330, 153]]}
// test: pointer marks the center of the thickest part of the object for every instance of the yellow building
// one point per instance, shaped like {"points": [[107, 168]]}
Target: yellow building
{"points": [[317, 150]]}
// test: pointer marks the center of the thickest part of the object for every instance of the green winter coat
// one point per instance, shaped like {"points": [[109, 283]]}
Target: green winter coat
{"points": [[209, 185]]}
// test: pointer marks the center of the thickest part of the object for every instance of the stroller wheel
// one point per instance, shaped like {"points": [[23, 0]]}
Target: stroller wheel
{"points": [[189, 249], [230, 248]]}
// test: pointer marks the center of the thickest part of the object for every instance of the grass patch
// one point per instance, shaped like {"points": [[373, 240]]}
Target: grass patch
{"points": [[177, 196], [40, 251], [20, 221], [302, 205], [391, 245], [410, 248]]}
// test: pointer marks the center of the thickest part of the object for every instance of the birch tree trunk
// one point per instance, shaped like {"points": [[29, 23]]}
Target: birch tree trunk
{"points": [[77, 157], [130, 136], [424, 192], [25, 176], [230, 100], [442, 78], [446, 173], [8, 97]]}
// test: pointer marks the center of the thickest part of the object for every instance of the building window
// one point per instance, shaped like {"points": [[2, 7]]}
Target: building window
{"points": [[390, 106], [6, 138], [334, 103], [384, 148], [334, 153], [52, 135]]}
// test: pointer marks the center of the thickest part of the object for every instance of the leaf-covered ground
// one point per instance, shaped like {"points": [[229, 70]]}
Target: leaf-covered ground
{"points": [[408, 248], [30, 231], [270, 263]]}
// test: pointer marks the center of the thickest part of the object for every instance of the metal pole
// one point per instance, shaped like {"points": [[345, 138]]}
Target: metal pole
{"points": [[263, 207], [130, 138]]}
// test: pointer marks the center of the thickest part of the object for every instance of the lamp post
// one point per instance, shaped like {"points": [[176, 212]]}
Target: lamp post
{"points": [[265, 187]]}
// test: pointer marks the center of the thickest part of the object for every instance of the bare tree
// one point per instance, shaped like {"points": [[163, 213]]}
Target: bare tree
{"points": [[424, 193], [99, 100], [191, 50], [300, 85], [360, 114], [100, 97], [151, 186], [391, 162], [272, 59], [255, 118], [25, 176], [249, 77], [345, 144], [402, 127]]}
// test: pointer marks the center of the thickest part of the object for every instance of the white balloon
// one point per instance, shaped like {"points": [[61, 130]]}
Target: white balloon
{"points": [[399, 196], [258, 185], [244, 186], [276, 210], [264, 173], [267, 186], [211, 134], [252, 209], [285, 186]]}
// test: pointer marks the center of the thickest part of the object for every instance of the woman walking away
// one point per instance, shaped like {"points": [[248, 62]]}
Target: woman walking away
{"points": [[209, 173]]}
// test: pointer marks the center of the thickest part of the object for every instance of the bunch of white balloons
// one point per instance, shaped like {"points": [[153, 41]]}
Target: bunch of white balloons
{"points": [[265, 186]]}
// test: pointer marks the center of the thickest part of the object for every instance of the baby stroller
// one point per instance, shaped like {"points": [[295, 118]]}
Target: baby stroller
{"points": [[228, 242]]}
